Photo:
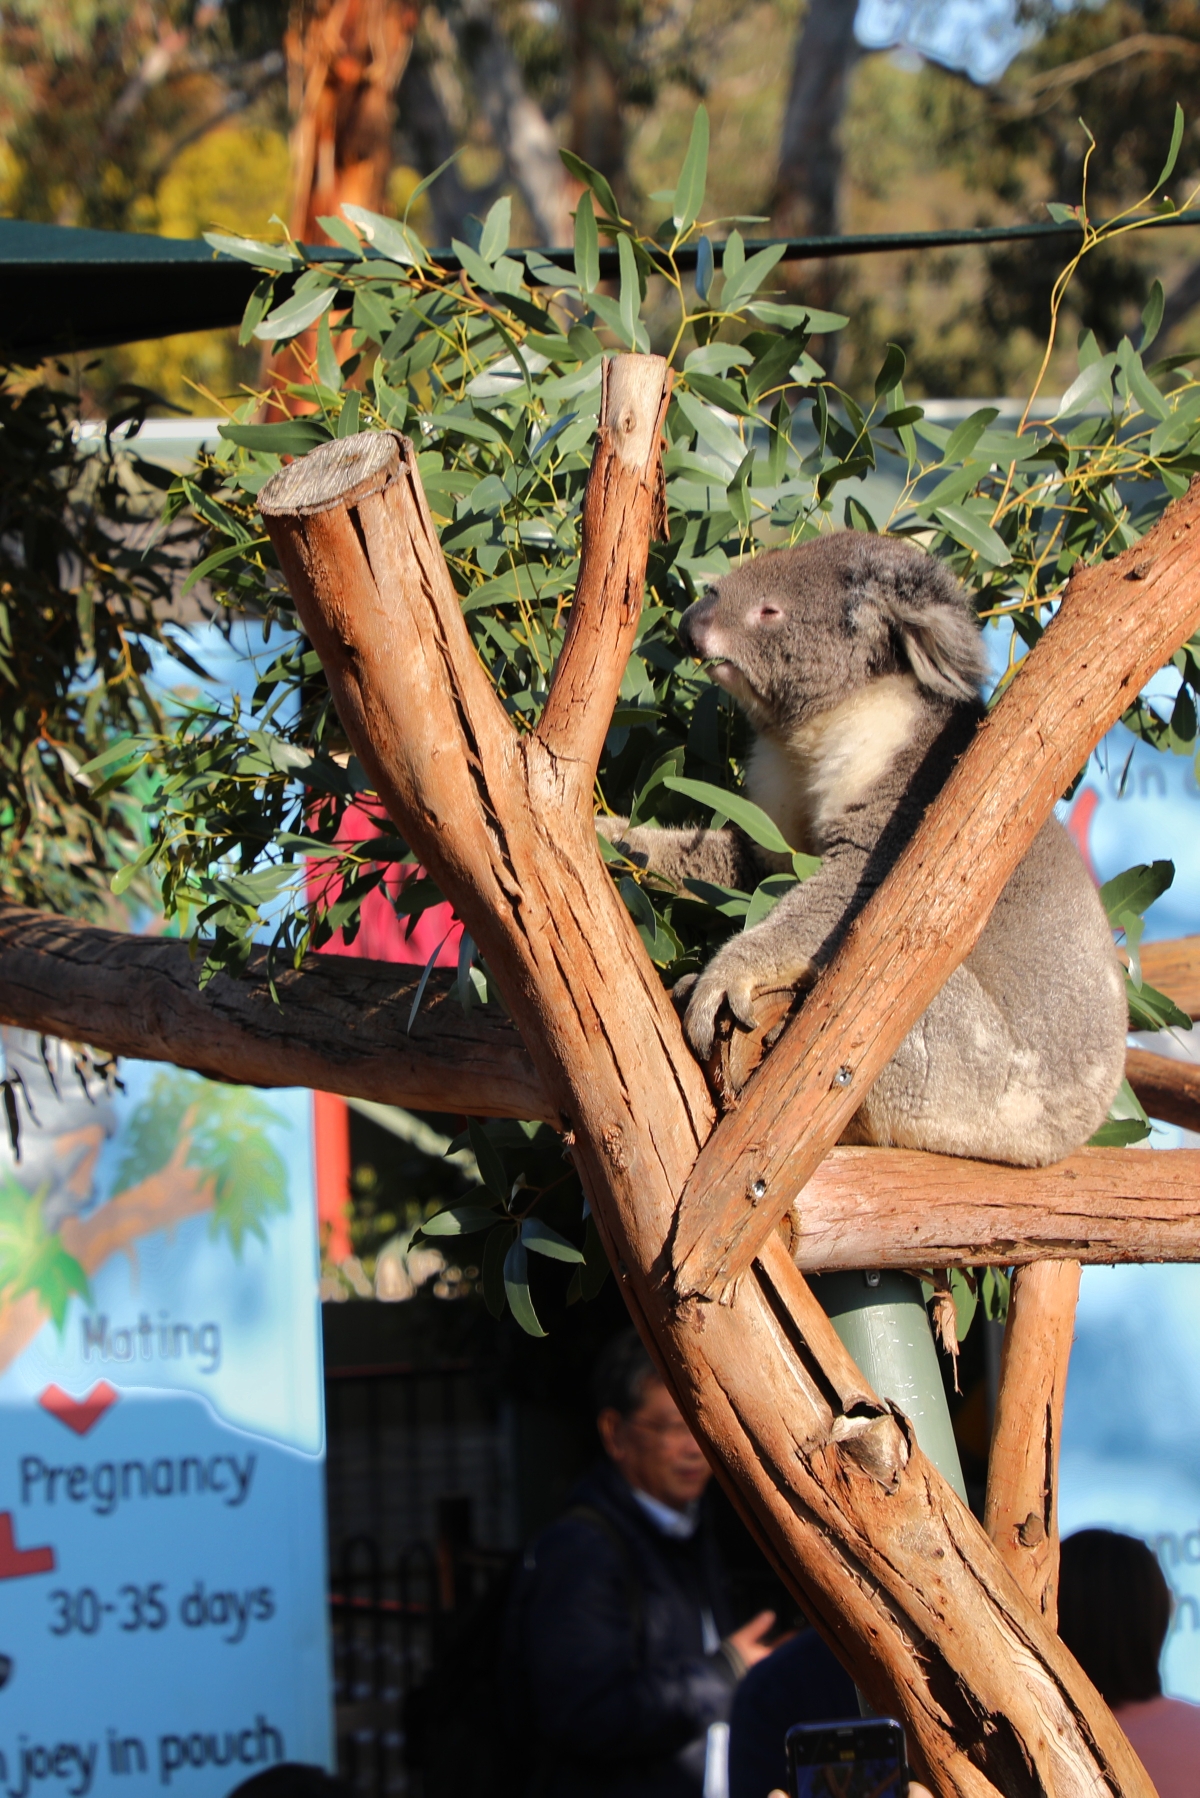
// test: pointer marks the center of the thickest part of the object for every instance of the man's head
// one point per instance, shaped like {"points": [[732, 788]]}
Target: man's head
{"points": [[1114, 1611], [643, 1434]]}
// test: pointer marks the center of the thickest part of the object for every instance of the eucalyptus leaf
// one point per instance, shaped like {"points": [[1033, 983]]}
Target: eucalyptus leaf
{"points": [[593, 179], [974, 533], [743, 812], [538, 1237], [797, 317], [294, 316], [516, 1288], [892, 372], [1091, 388], [1152, 315], [689, 193], [1168, 168], [392, 237], [248, 249], [459, 1220], [1136, 889], [705, 268], [487, 1159]]}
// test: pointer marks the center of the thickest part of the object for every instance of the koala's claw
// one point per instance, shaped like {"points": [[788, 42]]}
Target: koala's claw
{"points": [[681, 992], [710, 991]]}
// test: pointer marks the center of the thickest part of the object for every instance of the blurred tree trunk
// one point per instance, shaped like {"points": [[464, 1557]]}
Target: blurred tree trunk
{"points": [[518, 125], [805, 199], [344, 61], [430, 139], [597, 126]]}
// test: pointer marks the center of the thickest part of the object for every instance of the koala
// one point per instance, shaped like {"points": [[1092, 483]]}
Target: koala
{"points": [[858, 660]]}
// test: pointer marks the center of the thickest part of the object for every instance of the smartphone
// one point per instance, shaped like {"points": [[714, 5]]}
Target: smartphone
{"points": [[863, 1758]]}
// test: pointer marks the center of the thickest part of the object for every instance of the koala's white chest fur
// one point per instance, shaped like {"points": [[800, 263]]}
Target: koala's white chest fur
{"points": [[807, 779]]}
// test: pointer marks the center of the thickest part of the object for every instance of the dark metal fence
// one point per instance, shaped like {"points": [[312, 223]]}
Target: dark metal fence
{"points": [[421, 1515]]}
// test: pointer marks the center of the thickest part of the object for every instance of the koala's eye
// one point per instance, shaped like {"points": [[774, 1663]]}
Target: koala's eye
{"points": [[767, 611]]}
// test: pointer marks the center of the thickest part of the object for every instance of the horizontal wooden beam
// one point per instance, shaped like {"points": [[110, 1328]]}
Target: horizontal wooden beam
{"points": [[899, 1208], [340, 1024]]}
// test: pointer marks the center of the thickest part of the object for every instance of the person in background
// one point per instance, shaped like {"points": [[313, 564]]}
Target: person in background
{"points": [[801, 1682], [1114, 1610], [620, 1648], [291, 1779]]}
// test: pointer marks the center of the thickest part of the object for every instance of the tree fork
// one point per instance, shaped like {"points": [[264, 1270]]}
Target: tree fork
{"points": [[903, 1580]]}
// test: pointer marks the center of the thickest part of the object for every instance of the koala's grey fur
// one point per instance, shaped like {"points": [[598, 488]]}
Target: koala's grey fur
{"points": [[858, 660]]}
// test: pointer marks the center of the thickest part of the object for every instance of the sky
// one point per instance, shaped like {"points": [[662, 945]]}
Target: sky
{"points": [[979, 37]]}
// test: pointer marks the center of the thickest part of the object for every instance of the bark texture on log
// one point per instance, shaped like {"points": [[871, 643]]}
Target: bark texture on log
{"points": [[340, 1025], [884, 1555], [900, 1208], [1021, 1509], [1112, 632], [1169, 1090], [1174, 968]]}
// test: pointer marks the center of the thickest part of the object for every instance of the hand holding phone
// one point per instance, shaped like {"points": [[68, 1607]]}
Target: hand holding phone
{"points": [[860, 1758]]}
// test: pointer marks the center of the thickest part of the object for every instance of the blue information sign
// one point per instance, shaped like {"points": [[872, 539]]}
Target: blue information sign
{"points": [[163, 1601], [1131, 1429]]}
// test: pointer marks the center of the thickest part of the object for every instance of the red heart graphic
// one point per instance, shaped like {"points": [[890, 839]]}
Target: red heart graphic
{"points": [[16, 1562], [79, 1414]]}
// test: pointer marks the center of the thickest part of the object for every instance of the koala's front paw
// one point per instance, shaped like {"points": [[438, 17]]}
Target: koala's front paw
{"points": [[721, 983], [734, 977]]}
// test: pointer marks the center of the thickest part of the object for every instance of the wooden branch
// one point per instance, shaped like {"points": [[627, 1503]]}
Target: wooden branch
{"points": [[1117, 624], [622, 508], [340, 1025], [498, 819], [902, 1208], [1021, 1509], [880, 1550], [1174, 968], [1170, 1090]]}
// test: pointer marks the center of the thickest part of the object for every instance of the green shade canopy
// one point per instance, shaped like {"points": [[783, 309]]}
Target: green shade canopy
{"points": [[63, 288], [66, 288]]}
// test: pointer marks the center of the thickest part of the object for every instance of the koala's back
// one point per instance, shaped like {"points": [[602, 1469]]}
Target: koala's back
{"points": [[1020, 1055]]}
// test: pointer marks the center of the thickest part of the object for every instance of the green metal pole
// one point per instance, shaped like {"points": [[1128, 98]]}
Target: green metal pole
{"points": [[883, 1322]]}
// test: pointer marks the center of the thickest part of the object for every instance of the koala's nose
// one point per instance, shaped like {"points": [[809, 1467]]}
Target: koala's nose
{"points": [[697, 628]]}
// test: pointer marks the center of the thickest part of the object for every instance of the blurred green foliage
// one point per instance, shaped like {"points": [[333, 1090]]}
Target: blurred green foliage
{"points": [[32, 1258], [82, 598], [226, 1129]]}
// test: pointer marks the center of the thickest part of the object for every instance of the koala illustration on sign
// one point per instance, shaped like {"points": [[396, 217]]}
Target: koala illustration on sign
{"points": [[858, 661]]}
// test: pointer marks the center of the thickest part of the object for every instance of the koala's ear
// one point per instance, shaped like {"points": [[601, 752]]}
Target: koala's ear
{"points": [[941, 641]]}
